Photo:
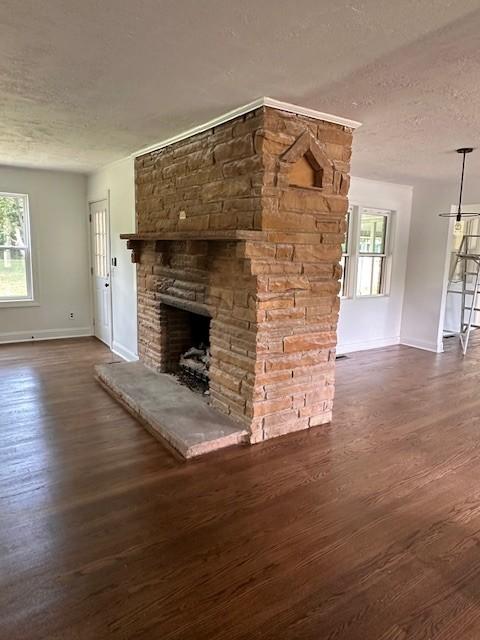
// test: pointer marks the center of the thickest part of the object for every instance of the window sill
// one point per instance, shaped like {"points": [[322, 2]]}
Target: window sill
{"points": [[372, 297], [5, 304]]}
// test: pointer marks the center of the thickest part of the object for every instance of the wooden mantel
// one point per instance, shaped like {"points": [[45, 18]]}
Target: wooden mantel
{"points": [[227, 234], [135, 240]]}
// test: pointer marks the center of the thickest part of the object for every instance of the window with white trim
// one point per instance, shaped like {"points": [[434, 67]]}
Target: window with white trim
{"points": [[372, 252], [345, 259], [15, 249], [365, 252]]}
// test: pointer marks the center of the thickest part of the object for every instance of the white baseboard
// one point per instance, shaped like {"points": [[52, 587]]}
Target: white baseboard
{"points": [[426, 345], [364, 345], [45, 334], [119, 350]]}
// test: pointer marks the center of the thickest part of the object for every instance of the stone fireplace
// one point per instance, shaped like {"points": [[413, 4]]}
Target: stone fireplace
{"points": [[242, 225]]}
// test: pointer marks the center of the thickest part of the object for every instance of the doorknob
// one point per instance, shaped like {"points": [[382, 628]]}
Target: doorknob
{"points": [[106, 284]]}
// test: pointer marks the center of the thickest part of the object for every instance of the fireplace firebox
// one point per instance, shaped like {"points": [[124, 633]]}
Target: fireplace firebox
{"points": [[186, 346]]}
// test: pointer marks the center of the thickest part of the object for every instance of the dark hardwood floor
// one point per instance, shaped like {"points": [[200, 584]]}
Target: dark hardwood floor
{"points": [[368, 529]]}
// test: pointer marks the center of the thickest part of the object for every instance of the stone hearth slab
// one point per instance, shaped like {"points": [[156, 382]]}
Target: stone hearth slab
{"points": [[170, 411]]}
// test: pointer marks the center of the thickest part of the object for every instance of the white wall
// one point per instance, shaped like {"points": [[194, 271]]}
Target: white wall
{"points": [[427, 266], [429, 261], [366, 323], [117, 182], [60, 257]]}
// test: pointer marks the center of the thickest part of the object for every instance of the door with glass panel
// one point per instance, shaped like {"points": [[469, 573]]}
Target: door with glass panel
{"points": [[100, 269]]}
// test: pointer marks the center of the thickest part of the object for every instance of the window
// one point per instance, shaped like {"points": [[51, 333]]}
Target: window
{"points": [[345, 260], [15, 255], [365, 252], [371, 252]]}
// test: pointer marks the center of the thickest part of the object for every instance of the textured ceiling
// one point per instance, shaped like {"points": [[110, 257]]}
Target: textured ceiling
{"points": [[85, 82]]}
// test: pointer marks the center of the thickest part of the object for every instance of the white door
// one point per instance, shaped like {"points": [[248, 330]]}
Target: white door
{"points": [[100, 269]]}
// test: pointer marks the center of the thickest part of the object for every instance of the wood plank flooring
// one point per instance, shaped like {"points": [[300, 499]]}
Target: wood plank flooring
{"points": [[368, 529]]}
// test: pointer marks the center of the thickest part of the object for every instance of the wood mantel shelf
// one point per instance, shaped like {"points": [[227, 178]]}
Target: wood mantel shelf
{"points": [[227, 234], [135, 240]]}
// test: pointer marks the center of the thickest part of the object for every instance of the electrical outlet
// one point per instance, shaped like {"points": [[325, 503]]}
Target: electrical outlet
{"points": [[182, 215], [71, 316]]}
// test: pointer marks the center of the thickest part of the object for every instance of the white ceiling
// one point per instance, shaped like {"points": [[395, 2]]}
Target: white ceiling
{"points": [[85, 82]]}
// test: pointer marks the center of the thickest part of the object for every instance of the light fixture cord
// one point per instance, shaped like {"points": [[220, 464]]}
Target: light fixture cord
{"points": [[459, 212]]}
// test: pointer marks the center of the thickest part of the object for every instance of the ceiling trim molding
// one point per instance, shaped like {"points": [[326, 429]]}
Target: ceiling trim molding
{"points": [[240, 111], [310, 113]]}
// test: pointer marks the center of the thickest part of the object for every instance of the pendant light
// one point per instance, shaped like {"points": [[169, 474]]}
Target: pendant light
{"points": [[459, 214]]}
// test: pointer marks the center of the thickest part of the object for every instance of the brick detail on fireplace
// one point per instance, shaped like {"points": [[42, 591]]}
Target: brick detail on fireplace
{"points": [[273, 299]]}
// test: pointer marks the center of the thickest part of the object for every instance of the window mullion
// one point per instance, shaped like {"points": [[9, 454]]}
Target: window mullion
{"points": [[372, 255]]}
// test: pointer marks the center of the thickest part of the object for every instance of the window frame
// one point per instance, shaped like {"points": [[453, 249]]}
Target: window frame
{"points": [[355, 211], [345, 281], [29, 299], [372, 254]]}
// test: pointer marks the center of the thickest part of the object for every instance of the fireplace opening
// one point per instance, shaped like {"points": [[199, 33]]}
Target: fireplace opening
{"points": [[187, 347], [195, 361]]}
